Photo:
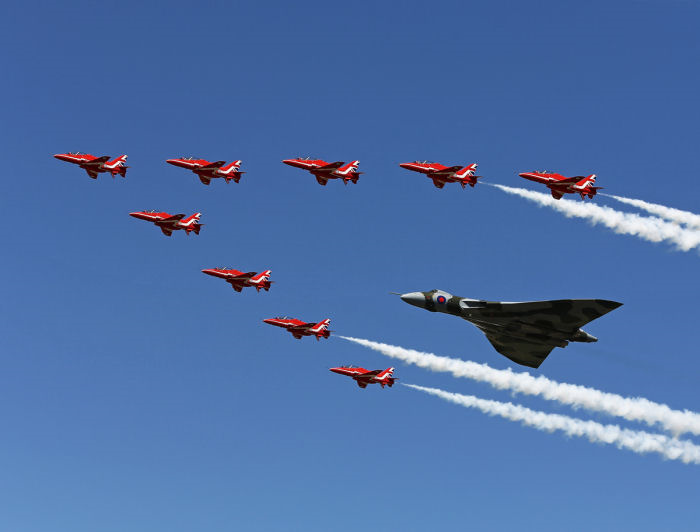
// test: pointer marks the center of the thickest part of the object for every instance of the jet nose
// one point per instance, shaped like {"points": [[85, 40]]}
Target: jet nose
{"points": [[335, 370], [171, 161], [417, 299], [134, 214], [288, 161], [209, 271], [407, 166]]}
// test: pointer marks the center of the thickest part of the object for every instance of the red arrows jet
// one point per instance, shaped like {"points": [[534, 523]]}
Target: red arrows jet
{"points": [[300, 328], [363, 376], [441, 174], [95, 165], [325, 171], [560, 185], [170, 222], [239, 280], [208, 171]]}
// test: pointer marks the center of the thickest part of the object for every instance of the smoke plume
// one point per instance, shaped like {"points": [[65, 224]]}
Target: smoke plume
{"points": [[669, 213], [636, 441], [629, 408], [648, 228]]}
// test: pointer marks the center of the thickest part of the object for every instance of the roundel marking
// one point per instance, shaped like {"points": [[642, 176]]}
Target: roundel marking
{"points": [[441, 299]]}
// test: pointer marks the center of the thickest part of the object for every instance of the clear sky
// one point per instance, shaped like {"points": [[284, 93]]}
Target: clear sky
{"points": [[138, 394]]}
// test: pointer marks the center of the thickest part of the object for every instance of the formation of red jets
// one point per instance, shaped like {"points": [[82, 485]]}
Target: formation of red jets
{"points": [[323, 172], [347, 172]]}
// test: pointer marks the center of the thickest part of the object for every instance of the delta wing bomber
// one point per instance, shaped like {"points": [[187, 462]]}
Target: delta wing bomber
{"points": [[524, 332]]}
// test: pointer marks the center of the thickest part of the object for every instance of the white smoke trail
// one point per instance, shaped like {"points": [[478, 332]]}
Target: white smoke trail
{"points": [[675, 215], [629, 408], [648, 228], [637, 441]]}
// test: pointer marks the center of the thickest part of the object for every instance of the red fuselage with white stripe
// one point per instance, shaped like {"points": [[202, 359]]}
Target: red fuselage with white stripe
{"points": [[560, 185], [441, 174], [171, 222], [363, 376], [206, 171], [95, 165], [323, 171], [300, 328], [239, 280]]}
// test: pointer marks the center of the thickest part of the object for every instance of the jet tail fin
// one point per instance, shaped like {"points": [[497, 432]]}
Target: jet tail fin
{"points": [[349, 168], [321, 329], [466, 171], [586, 181]]}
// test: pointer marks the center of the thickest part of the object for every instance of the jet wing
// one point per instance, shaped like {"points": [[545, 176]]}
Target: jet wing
{"points": [[568, 180], [205, 180], [91, 173], [447, 171], [361, 384], [300, 327], [519, 350], [560, 315], [97, 162], [369, 374], [331, 166], [166, 231], [217, 164], [243, 276], [173, 218], [321, 180]]}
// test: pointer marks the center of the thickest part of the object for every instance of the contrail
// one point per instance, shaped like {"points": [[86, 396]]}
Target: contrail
{"points": [[629, 408], [648, 228], [637, 441], [675, 215]]}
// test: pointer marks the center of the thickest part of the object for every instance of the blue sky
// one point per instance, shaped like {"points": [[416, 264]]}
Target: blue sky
{"points": [[136, 393]]}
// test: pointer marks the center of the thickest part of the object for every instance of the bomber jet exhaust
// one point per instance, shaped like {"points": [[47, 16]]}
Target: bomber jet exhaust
{"points": [[523, 332]]}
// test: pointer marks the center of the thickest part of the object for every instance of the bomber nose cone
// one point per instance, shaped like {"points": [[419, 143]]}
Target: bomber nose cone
{"points": [[417, 299]]}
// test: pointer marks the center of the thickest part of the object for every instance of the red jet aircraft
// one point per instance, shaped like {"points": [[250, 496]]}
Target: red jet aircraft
{"points": [[208, 171], [238, 280], [170, 222], [560, 185], [300, 328], [441, 174], [95, 165], [363, 376], [324, 171]]}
